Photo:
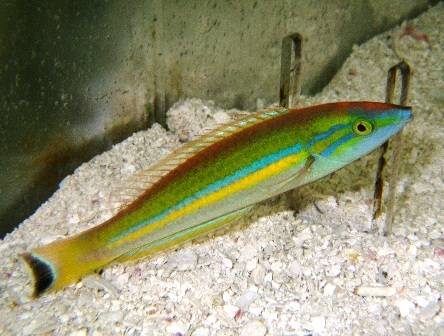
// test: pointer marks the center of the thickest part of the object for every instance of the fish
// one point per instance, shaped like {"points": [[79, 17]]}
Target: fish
{"points": [[218, 178]]}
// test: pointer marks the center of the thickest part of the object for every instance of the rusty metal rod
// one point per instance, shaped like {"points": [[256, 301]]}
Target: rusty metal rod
{"points": [[396, 143], [291, 60]]}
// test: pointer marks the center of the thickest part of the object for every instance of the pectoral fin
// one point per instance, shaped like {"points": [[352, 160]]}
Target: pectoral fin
{"points": [[292, 180]]}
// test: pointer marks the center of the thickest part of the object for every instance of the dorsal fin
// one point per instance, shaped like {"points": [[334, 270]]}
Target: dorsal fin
{"points": [[141, 181]]}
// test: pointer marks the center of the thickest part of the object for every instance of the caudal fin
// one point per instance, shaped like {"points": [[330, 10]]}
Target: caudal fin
{"points": [[65, 262], [42, 274]]}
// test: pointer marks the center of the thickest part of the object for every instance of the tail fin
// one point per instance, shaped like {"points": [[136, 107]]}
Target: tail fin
{"points": [[42, 273], [64, 262]]}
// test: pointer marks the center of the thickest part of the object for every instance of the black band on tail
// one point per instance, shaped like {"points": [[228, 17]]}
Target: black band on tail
{"points": [[42, 272]]}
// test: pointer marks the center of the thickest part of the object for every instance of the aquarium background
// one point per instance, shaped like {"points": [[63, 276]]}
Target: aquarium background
{"points": [[78, 76]]}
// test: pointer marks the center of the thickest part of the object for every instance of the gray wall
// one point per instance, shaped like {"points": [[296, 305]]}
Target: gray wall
{"points": [[78, 76], [229, 51], [74, 77]]}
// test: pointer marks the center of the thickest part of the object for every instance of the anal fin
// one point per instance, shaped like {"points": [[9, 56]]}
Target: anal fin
{"points": [[182, 236]]}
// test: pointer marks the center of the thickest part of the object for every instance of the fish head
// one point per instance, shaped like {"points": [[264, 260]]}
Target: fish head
{"points": [[349, 131]]}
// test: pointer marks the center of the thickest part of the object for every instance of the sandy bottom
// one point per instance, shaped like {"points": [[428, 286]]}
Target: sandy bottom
{"points": [[294, 266]]}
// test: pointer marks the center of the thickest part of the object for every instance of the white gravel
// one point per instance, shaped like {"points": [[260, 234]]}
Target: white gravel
{"points": [[301, 264]]}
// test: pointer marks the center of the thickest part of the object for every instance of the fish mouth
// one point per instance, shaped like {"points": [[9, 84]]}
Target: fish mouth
{"points": [[406, 115]]}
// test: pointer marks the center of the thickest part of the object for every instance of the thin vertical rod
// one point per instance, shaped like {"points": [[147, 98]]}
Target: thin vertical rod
{"points": [[387, 226], [158, 110], [291, 56]]}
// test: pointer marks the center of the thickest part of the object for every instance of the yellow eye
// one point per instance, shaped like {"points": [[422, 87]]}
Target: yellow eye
{"points": [[362, 127]]}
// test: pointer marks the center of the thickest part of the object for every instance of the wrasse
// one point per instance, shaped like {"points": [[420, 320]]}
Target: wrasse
{"points": [[216, 179]]}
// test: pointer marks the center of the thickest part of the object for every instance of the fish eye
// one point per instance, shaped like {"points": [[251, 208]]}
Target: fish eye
{"points": [[362, 127]]}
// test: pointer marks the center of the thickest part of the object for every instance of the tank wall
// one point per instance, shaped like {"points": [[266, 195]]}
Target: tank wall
{"points": [[75, 77], [229, 51]]}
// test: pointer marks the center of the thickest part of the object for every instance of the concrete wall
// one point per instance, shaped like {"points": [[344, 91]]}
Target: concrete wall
{"points": [[77, 76], [229, 51], [74, 77]]}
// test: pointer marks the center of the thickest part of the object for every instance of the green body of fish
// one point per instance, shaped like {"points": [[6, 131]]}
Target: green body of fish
{"points": [[214, 180]]}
